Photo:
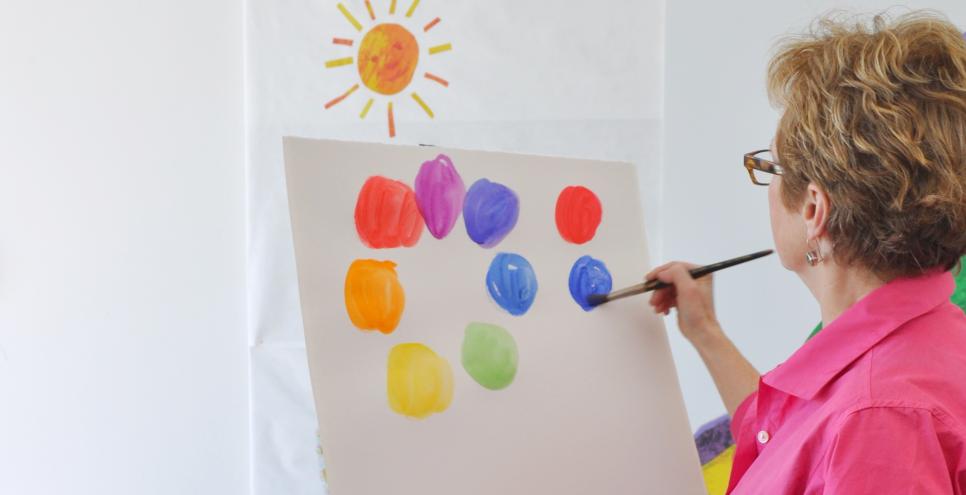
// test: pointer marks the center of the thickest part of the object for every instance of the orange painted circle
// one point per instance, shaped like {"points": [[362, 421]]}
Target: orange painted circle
{"points": [[374, 298], [387, 58]]}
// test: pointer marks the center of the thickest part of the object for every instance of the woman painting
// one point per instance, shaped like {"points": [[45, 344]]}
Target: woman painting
{"points": [[866, 182]]}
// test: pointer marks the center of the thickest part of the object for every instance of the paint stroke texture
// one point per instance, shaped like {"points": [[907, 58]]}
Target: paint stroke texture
{"points": [[578, 214], [490, 355], [419, 383], [490, 211], [512, 283], [388, 56], [587, 277], [439, 194], [387, 215], [374, 298]]}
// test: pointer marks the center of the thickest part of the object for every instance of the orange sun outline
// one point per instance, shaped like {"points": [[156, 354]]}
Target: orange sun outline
{"points": [[386, 60]]}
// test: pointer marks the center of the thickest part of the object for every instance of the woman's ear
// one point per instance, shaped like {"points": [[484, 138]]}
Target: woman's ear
{"points": [[815, 211]]}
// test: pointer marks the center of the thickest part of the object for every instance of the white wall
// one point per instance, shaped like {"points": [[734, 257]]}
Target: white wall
{"points": [[715, 110], [122, 306]]}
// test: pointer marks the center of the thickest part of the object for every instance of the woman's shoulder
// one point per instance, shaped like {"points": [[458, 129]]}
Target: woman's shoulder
{"points": [[933, 343], [920, 365]]}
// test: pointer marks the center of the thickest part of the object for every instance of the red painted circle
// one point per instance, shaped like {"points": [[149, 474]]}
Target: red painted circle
{"points": [[578, 214], [387, 215]]}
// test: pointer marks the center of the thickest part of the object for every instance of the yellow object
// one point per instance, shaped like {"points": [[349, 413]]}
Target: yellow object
{"points": [[419, 382], [339, 62], [433, 50], [423, 104], [365, 109], [412, 8], [717, 472], [349, 17]]}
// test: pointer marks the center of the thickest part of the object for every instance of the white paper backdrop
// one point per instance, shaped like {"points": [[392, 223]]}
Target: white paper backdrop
{"points": [[568, 79]]}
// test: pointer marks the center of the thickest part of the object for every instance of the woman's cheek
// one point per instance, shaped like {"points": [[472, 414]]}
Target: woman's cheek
{"points": [[780, 218]]}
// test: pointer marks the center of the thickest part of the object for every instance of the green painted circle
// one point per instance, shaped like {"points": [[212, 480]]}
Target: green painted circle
{"points": [[489, 355]]}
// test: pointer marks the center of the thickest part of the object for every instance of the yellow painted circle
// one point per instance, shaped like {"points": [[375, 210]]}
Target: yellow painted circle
{"points": [[419, 382]]}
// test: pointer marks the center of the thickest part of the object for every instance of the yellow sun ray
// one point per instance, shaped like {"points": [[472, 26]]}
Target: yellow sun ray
{"points": [[433, 50], [349, 17], [423, 104], [412, 8], [365, 109], [392, 7], [339, 62], [337, 99], [372, 15]]}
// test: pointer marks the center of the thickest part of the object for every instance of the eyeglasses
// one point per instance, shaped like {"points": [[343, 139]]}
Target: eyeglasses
{"points": [[761, 167]]}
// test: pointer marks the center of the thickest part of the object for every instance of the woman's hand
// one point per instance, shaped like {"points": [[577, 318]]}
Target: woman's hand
{"points": [[734, 376], [693, 299]]}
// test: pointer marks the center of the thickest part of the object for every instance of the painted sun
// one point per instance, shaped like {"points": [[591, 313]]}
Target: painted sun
{"points": [[385, 58]]}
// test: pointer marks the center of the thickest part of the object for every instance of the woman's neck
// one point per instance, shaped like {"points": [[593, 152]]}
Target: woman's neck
{"points": [[837, 288]]}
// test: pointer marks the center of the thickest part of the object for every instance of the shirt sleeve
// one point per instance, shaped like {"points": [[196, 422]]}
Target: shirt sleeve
{"points": [[888, 450]]}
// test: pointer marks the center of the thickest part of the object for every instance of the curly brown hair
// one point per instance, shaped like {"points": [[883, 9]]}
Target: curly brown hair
{"points": [[875, 115]]}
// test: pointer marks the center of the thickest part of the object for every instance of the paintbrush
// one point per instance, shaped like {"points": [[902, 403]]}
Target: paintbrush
{"points": [[598, 299]]}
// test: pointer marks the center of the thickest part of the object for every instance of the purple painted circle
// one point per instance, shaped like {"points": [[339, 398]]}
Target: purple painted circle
{"points": [[490, 212], [439, 195]]}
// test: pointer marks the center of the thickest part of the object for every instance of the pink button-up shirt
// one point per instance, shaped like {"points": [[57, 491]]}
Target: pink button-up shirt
{"points": [[875, 403]]}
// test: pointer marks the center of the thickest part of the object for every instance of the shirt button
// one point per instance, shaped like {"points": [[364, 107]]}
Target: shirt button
{"points": [[763, 437]]}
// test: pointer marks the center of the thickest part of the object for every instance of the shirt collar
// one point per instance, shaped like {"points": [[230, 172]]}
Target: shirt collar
{"points": [[855, 331]]}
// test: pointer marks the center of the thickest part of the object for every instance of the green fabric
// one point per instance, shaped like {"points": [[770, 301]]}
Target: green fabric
{"points": [[815, 330], [959, 295]]}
